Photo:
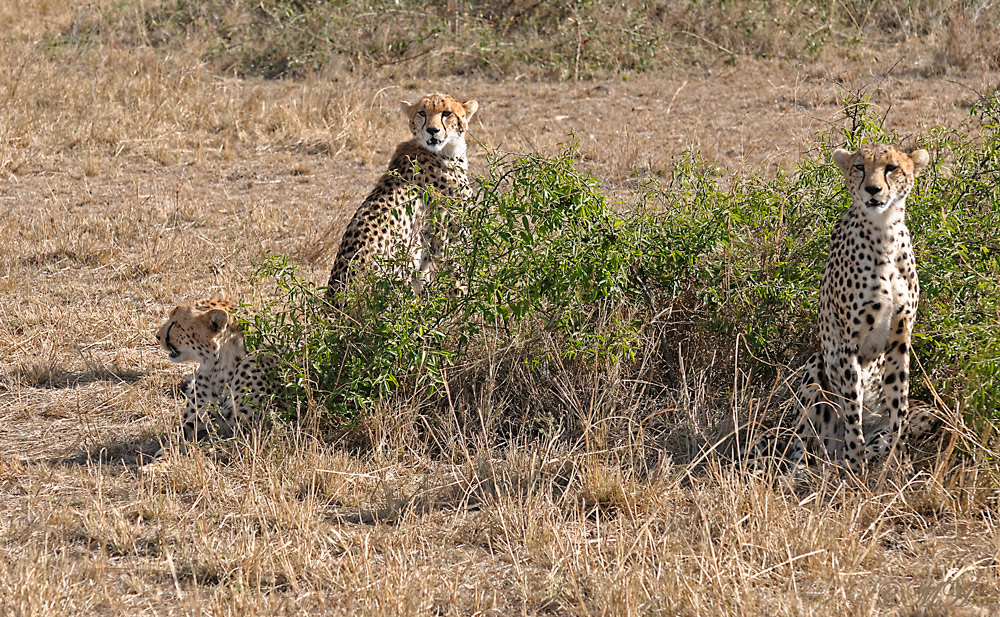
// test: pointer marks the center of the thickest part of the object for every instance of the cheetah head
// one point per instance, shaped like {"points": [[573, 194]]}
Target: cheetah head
{"points": [[439, 122], [191, 332], [880, 176]]}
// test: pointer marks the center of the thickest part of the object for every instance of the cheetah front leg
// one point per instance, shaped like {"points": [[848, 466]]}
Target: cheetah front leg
{"points": [[194, 428], [844, 370], [429, 257], [895, 384], [420, 259], [191, 423]]}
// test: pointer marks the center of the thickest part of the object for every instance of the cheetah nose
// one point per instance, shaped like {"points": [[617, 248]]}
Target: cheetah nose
{"points": [[872, 189], [432, 130]]}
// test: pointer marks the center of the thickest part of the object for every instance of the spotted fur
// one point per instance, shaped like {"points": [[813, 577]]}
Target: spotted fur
{"points": [[395, 218], [868, 302], [227, 389]]}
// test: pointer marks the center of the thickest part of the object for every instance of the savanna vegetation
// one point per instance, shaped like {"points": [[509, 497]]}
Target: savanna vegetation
{"points": [[563, 437]]}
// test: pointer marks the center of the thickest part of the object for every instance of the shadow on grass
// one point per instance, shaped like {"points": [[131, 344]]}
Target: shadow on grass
{"points": [[131, 453], [43, 375]]}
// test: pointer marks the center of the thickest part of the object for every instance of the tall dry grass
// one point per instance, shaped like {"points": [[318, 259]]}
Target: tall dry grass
{"points": [[106, 103], [288, 526]]}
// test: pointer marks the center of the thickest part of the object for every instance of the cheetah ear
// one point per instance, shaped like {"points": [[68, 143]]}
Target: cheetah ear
{"points": [[920, 160], [406, 107], [217, 319], [470, 109], [844, 159]]}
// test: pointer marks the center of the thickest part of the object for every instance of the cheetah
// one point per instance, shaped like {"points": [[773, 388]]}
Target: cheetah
{"points": [[395, 217], [868, 302], [226, 391]]}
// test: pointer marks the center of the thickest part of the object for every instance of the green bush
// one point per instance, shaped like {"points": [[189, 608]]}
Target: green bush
{"points": [[565, 285], [543, 254]]}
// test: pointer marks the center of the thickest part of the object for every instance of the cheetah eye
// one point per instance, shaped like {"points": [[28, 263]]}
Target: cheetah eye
{"points": [[890, 168], [859, 167], [421, 114], [445, 114]]}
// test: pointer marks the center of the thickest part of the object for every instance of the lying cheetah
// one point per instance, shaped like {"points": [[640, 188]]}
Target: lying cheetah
{"points": [[395, 219], [868, 301], [225, 392]]}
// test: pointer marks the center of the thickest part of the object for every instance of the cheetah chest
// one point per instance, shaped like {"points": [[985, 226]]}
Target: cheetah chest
{"points": [[887, 300], [876, 322]]}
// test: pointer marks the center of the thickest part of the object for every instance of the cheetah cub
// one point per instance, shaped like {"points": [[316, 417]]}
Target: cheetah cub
{"points": [[867, 305], [395, 218], [226, 390]]}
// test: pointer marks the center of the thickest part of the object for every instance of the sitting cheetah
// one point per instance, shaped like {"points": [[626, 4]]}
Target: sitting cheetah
{"points": [[395, 219], [224, 393], [868, 302]]}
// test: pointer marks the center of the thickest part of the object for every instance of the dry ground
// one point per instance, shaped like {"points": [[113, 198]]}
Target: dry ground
{"points": [[133, 178]]}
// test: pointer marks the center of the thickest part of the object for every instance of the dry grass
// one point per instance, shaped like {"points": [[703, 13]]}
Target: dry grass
{"points": [[292, 527], [134, 177]]}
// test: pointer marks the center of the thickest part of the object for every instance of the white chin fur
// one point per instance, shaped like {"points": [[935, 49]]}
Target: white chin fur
{"points": [[454, 148]]}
